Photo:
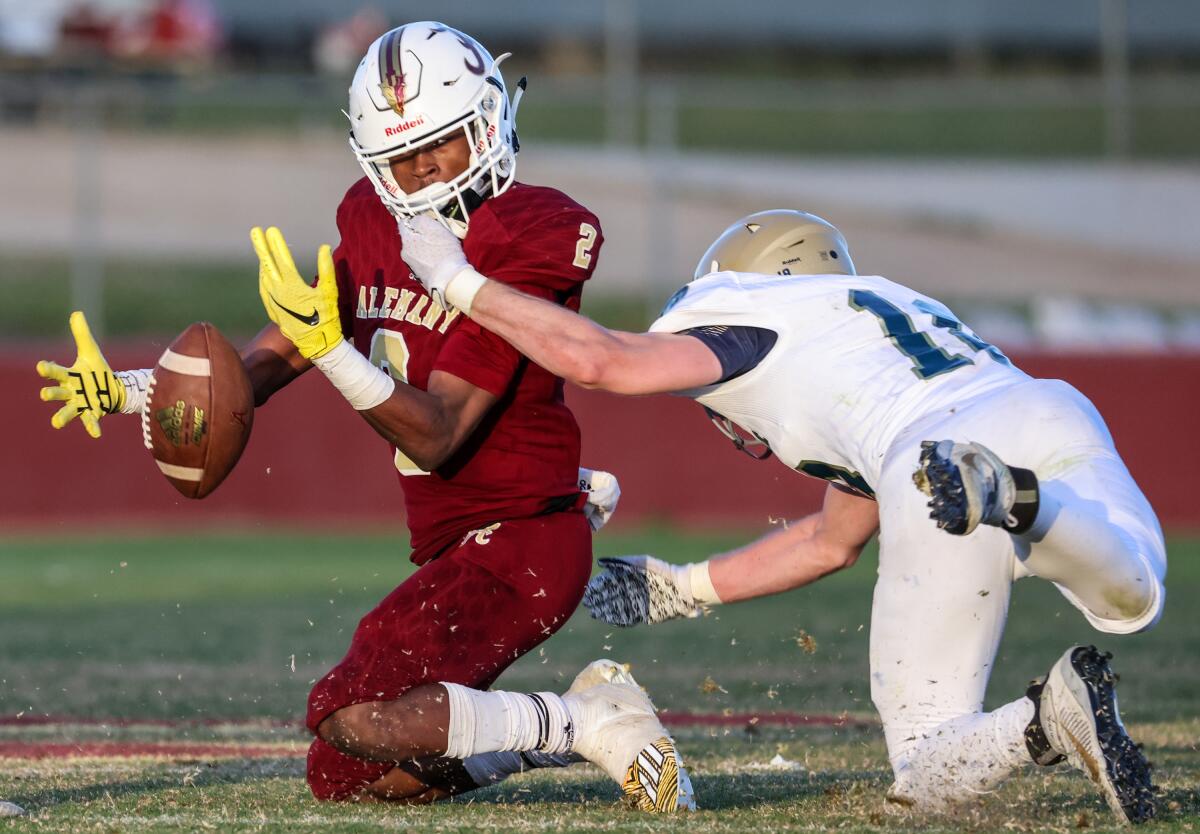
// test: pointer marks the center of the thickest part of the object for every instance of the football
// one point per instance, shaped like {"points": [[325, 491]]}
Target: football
{"points": [[199, 410]]}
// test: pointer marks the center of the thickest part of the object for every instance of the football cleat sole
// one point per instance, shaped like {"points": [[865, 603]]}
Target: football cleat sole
{"points": [[942, 481], [968, 485], [1080, 694]]}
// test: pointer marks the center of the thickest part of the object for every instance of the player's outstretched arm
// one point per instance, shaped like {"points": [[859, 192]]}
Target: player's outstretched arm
{"points": [[800, 553], [564, 343], [641, 589], [90, 389]]}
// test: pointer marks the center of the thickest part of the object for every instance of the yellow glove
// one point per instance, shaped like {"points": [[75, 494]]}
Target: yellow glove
{"points": [[308, 316], [88, 388]]}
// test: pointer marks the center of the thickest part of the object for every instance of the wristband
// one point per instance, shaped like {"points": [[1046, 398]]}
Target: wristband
{"points": [[462, 288], [362, 384], [134, 383], [703, 591]]}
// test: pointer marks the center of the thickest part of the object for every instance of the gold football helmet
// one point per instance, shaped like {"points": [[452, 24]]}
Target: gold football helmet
{"points": [[779, 242]]}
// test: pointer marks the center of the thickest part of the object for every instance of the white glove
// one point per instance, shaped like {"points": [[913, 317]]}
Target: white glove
{"points": [[603, 493], [437, 259], [641, 589]]}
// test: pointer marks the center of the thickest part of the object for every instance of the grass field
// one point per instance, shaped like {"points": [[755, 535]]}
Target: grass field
{"points": [[191, 656]]}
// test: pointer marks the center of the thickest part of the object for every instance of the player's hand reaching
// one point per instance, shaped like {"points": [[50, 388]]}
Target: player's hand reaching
{"points": [[308, 316], [640, 589], [434, 253], [88, 389]]}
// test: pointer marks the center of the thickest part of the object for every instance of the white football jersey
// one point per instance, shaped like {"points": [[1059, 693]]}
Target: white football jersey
{"points": [[858, 360]]}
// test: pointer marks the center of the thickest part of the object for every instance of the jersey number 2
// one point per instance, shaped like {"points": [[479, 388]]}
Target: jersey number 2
{"points": [[928, 359], [583, 246]]}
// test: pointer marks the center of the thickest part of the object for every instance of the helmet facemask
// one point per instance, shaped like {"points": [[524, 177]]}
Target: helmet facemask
{"points": [[743, 439]]}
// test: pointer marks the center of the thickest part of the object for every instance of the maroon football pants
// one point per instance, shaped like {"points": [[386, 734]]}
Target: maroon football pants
{"points": [[463, 618]]}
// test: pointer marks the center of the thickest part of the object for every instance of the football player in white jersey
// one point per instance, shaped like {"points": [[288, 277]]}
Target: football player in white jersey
{"points": [[910, 416]]}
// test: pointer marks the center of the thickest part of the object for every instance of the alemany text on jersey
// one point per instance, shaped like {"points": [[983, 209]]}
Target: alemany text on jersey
{"points": [[403, 305]]}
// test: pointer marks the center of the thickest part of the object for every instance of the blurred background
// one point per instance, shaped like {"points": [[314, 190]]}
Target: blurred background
{"points": [[1034, 165]]}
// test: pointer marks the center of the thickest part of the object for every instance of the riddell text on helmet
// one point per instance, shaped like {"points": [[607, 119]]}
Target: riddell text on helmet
{"points": [[403, 127]]}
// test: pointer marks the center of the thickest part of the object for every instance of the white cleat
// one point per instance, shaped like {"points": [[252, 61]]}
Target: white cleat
{"points": [[617, 729], [1080, 720]]}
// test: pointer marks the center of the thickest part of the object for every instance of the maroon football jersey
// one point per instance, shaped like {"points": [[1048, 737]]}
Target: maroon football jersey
{"points": [[523, 458]]}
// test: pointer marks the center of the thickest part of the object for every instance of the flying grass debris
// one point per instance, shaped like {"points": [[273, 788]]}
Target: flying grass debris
{"points": [[806, 642]]}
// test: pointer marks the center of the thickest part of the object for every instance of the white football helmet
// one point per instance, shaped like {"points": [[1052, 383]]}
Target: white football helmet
{"points": [[417, 84], [779, 242]]}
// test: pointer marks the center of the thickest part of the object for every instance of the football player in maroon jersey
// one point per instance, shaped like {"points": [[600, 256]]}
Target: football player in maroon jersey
{"points": [[485, 447]]}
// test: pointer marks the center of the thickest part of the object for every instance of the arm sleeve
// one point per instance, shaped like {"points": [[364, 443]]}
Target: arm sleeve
{"points": [[738, 348]]}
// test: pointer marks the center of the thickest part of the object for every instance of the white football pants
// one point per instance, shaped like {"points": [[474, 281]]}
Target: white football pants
{"points": [[941, 601]]}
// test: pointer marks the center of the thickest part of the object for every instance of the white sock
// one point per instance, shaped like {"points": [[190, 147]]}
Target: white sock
{"points": [[964, 757], [488, 722], [490, 768]]}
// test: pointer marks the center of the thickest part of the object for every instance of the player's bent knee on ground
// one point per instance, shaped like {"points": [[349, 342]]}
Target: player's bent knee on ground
{"points": [[334, 776], [380, 793], [420, 783]]}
